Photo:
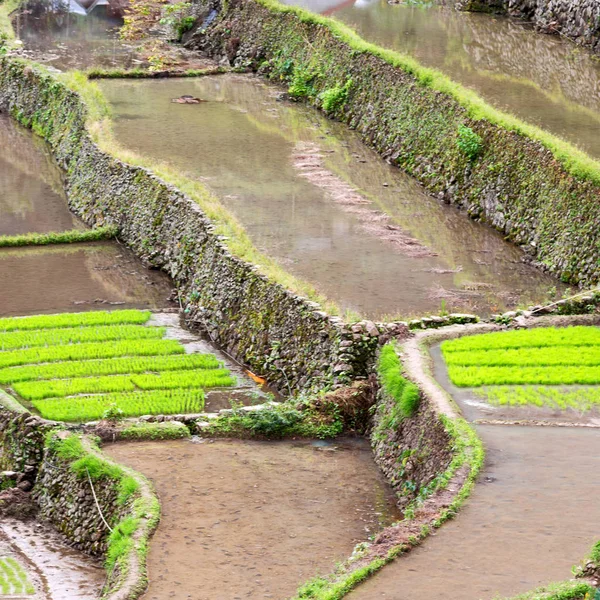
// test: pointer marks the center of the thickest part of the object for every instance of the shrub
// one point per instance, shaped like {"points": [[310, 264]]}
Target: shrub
{"points": [[469, 142], [334, 98]]}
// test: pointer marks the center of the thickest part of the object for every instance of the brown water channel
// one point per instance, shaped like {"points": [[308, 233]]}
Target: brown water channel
{"points": [[545, 80], [311, 195], [246, 519]]}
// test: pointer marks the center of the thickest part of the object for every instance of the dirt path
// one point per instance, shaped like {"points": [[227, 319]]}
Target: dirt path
{"points": [[247, 519]]}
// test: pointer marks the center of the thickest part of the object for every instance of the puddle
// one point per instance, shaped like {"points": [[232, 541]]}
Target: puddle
{"points": [[76, 278], [65, 573], [530, 518], [330, 210], [236, 525], [543, 79], [32, 199]]}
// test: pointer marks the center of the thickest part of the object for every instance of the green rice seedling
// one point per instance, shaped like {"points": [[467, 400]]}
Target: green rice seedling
{"points": [[185, 379], [581, 399], [13, 578], [59, 388], [64, 237], [90, 351], [132, 404], [479, 376], [111, 366], [522, 338], [87, 319], [527, 357], [70, 335]]}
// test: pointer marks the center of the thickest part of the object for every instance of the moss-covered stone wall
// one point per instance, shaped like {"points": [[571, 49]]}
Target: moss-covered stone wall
{"points": [[505, 178]]}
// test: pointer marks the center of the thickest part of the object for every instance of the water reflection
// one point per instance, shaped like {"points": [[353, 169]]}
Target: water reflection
{"points": [[542, 79], [338, 222], [69, 34], [32, 198]]}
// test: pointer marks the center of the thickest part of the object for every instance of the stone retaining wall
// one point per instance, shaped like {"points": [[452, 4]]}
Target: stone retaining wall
{"points": [[413, 454], [578, 20], [514, 183], [66, 501]]}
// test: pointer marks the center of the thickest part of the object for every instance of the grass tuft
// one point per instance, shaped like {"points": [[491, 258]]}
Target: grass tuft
{"points": [[65, 237]]}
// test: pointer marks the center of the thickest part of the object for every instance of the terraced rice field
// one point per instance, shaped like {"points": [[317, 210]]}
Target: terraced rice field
{"points": [[75, 367], [556, 368], [13, 578]]}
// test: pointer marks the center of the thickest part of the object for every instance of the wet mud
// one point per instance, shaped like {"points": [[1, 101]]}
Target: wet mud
{"points": [[545, 80], [76, 278], [531, 517], [236, 525], [58, 571], [312, 196]]}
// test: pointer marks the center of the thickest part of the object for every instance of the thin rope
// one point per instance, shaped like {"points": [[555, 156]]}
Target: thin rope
{"points": [[96, 500], [563, 299]]}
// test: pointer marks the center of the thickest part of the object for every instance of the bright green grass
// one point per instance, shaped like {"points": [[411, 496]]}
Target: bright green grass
{"points": [[581, 399], [527, 357], [90, 408], [13, 579], [112, 366], [522, 338], [478, 376], [116, 317], [73, 236], [70, 335], [60, 388], [95, 350]]}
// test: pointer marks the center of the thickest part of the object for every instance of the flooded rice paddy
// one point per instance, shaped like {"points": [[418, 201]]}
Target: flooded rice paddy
{"points": [[247, 519], [74, 34], [543, 79], [32, 197], [311, 195], [77, 277]]}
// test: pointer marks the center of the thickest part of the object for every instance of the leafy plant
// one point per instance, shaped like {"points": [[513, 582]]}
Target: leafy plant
{"points": [[179, 18], [334, 98], [469, 142]]}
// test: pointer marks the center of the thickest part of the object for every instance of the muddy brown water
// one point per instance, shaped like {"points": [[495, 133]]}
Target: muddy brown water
{"points": [[532, 516], [57, 571], [247, 519], [545, 80], [32, 197], [330, 210], [77, 277], [72, 34]]}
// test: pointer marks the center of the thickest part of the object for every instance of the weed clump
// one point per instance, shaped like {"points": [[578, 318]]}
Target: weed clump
{"points": [[405, 393], [469, 142]]}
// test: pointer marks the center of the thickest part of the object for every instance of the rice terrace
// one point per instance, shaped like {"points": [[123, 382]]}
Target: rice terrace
{"points": [[299, 299]]}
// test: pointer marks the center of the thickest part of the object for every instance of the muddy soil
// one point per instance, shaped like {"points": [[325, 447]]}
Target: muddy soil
{"points": [[77, 277], [236, 524], [532, 515], [315, 198], [58, 571]]}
